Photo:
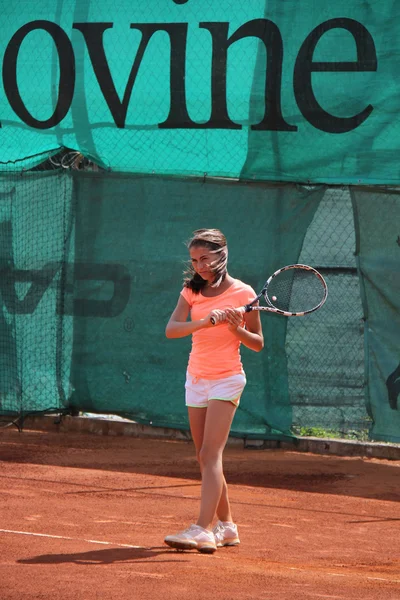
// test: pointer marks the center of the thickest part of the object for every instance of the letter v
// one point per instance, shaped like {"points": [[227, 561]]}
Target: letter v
{"points": [[93, 34]]}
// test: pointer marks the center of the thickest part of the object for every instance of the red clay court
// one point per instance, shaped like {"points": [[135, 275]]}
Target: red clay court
{"points": [[84, 517]]}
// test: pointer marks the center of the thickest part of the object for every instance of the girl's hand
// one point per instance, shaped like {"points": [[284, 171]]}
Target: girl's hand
{"points": [[219, 317], [234, 318]]}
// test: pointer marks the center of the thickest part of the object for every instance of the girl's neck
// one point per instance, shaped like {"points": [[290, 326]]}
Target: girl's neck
{"points": [[210, 291]]}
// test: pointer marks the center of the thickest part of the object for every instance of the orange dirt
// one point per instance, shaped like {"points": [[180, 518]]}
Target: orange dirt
{"points": [[311, 527]]}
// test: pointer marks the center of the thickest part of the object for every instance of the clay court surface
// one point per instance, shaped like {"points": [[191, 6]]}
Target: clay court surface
{"points": [[84, 516]]}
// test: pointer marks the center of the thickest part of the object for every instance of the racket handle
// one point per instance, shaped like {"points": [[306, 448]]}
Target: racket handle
{"points": [[243, 309]]}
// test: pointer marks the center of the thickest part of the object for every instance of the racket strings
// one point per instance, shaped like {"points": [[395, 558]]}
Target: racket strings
{"points": [[295, 290]]}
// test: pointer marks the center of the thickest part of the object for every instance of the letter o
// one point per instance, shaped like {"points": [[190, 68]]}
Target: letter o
{"points": [[67, 73]]}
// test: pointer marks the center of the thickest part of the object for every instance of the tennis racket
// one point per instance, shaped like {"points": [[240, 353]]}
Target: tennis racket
{"points": [[292, 291]]}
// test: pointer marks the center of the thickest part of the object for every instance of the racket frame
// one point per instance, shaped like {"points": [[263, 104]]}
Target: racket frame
{"points": [[271, 308]]}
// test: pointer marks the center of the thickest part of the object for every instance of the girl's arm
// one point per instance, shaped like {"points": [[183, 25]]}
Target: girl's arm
{"points": [[251, 335], [178, 326]]}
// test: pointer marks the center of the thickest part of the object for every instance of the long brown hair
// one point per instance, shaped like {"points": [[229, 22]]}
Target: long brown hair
{"points": [[215, 241]]}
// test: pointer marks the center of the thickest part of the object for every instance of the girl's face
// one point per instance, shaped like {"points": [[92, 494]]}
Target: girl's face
{"points": [[202, 259]]}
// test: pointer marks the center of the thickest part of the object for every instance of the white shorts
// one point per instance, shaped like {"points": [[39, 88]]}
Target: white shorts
{"points": [[200, 391]]}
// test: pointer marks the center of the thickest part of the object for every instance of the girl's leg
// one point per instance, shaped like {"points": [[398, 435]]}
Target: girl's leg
{"points": [[217, 425], [197, 420], [224, 507]]}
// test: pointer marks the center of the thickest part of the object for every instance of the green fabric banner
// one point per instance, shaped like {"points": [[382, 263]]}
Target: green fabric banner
{"points": [[378, 230], [91, 269], [35, 321], [265, 90], [122, 361]]}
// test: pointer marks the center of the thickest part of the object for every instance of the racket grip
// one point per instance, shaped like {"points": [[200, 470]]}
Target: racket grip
{"points": [[212, 320]]}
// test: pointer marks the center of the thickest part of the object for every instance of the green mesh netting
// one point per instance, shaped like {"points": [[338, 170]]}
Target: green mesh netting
{"points": [[91, 270]]}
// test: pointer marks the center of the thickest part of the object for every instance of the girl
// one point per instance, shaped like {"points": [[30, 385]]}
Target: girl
{"points": [[215, 377]]}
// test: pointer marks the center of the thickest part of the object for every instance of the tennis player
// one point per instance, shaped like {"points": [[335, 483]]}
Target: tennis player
{"points": [[215, 377]]}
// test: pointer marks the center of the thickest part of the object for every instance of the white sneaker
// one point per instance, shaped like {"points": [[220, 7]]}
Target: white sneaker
{"points": [[193, 538], [226, 534]]}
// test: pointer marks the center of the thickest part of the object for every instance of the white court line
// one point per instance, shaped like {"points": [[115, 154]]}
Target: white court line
{"points": [[62, 537], [351, 574], [382, 579]]}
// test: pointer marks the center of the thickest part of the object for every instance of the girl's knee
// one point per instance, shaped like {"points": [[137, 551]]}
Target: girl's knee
{"points": [[208, 456]]}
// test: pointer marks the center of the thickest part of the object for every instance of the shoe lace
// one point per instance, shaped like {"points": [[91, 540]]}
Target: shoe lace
{"points": [[190, 529]]}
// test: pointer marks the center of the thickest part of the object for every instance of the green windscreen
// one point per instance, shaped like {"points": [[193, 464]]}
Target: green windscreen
{"points": [[92, 268], [378, 220]]}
